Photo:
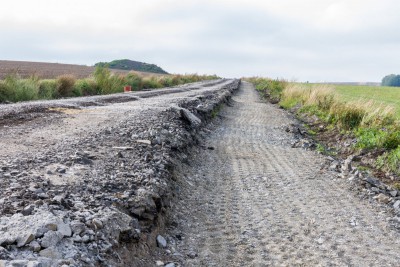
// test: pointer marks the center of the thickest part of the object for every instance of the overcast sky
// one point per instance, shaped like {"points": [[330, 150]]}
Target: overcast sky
{"points": [[307, 40]]}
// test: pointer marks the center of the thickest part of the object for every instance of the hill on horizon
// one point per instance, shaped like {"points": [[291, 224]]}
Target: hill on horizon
{"points": [[127, 64]]}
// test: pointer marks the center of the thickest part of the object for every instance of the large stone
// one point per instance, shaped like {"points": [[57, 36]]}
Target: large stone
{"points": [[161, 242], [51, 253], [23, 240], [50, 239], [396, 205], [35, 246], [382, 198], [64, 229], [373, 181], [347, 164], [77, 227], [7, 238], [190, 117]]}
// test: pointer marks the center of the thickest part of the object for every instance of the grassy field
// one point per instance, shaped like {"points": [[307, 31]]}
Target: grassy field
{"points": [[379, 94]]}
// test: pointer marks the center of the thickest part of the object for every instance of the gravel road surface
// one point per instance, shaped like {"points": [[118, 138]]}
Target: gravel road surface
{"points": [[253, 200]]}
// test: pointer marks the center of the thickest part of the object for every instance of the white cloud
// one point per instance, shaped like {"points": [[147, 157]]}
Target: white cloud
{"points": [[310, 39]]}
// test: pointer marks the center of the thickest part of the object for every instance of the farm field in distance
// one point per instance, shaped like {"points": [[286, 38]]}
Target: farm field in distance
{"points": [[45, 70], [380, 94]]}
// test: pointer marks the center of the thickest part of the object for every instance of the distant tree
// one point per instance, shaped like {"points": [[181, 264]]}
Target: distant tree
{"points": [[391, 80]]}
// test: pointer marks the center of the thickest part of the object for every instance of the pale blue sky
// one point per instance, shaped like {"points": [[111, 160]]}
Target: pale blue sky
{"points": [[308, 40]]}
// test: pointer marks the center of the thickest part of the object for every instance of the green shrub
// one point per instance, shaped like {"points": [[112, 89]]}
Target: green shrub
{"points": [[150, 82], [22, 89], [348, 116], [391, 140], [269, 87], [5, 92], [47, 89], [134, 80], [390, 161], [65, 85], [86, 87], [369, 138], [107, 82]]}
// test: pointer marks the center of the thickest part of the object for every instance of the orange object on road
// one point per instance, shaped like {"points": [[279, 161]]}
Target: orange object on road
{"points": [[127, 88]]}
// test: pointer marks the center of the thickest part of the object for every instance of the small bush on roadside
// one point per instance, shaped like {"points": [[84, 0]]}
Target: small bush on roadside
{"points": [[86, 87], [65, 85], [348, 116], [269, 87], [47, 89], [22, 89], [134, 80], [150, 82], [107, 82], [5, 92]]}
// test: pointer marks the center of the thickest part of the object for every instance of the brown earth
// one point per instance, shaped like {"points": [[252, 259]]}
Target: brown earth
{"points": [[46, 70]]}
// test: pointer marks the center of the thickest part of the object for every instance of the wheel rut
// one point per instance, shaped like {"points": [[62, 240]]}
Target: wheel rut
{"points": [[255, 201]]}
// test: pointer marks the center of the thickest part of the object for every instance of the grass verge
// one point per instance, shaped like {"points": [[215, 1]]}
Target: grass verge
{"points": [[373, 126], [15, 89]]}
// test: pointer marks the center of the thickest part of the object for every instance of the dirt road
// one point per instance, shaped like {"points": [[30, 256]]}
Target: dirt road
{"points": [[253, 200]]}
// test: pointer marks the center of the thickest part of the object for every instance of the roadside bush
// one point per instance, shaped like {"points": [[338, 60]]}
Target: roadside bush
{"points": [[22, 89], [391, 140], [47, 89], [348, 116], [107, 82], [269, 87], [150, 82], [5, 92], [65, 85], [86, 87], [134, 80], [165, 81]]}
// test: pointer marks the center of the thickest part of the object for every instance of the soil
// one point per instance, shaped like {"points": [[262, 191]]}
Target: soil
{"points": [[44, 70]]}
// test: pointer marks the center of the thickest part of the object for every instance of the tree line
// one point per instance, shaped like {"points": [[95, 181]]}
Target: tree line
{"points": [[391, 80]]}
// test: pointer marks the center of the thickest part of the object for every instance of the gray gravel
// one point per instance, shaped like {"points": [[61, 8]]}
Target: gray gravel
{"points": [[87, 181]]}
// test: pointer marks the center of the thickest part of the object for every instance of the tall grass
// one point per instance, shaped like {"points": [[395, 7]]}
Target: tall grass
{"points": [[14, 89], [269, 88], [373, 124]]}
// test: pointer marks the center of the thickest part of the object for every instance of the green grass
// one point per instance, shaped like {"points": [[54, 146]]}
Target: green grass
{"points": [[380, 94]]}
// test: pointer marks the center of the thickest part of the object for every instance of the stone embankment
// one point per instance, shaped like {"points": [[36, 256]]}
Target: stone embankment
{"points": [[86, 182]]}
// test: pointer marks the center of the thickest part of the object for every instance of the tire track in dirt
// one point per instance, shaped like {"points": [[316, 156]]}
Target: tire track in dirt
{"points": [[255, 201]]}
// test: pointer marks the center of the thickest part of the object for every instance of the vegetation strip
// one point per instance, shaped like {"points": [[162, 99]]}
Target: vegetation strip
{"points": [[102, 82], [372, 128]]}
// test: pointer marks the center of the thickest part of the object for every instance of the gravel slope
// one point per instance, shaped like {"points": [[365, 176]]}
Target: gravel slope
{"points": [[253, 200], [86, 181]]}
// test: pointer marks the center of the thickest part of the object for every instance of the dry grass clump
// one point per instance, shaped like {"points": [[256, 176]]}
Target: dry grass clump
{"points": [[347, 115], [65, 85], [320, 96]]}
